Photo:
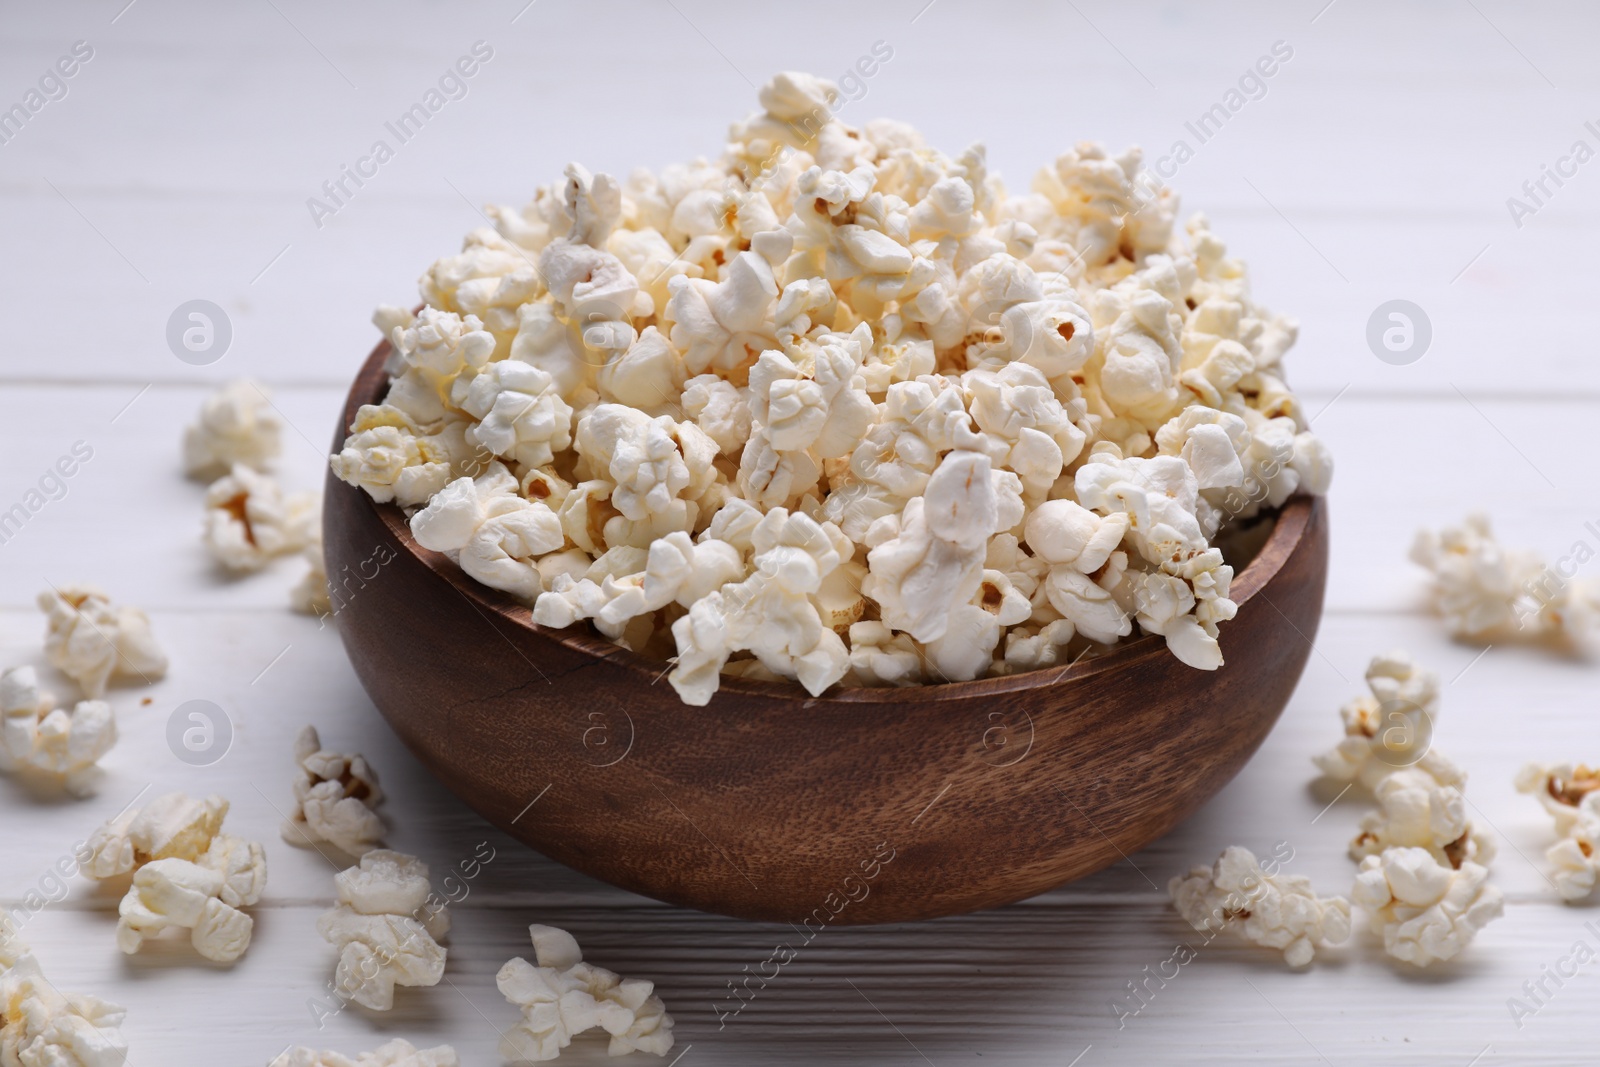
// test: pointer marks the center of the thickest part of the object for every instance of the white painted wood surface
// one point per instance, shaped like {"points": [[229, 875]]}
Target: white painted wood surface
{"points": [[1376, 166]]}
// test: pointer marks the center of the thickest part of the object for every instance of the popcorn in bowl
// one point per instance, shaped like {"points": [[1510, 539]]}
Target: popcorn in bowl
{"points": [[838, 408]]}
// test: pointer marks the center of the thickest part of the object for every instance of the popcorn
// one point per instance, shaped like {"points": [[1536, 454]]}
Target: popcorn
{"points": [[172, 826], [1274, 910], [1392, 728], [311, 595], [1485, 591], [386, 927], [389, 456], [1415, 810], [1425, 910], [935, 562], [237, 426], [90, 639], [848, 326], [562, 996], [649, 374], [396, 1053], [491, 530], [41, 738], [186, 874], [520, 415], [250, 520], [1571, 794], [879, 656], [334, 795], [770, 613], [41, 1027], [198, 897], [721, 410]]}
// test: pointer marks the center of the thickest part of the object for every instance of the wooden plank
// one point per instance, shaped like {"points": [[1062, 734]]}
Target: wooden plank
{"points": [[1384, 152]]}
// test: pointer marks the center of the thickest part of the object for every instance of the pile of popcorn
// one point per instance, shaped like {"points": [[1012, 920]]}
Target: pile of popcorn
{"points": [[837, 408]]}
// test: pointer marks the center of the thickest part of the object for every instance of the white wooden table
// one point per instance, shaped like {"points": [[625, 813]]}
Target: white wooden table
{"points": [[1376, 166]]}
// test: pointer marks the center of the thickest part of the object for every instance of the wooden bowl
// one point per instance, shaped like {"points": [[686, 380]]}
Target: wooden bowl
{"points": [[859, 806]]}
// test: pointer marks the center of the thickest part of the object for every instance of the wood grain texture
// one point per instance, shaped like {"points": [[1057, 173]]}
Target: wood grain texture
{"points": [[863, 805], [188, 148]]}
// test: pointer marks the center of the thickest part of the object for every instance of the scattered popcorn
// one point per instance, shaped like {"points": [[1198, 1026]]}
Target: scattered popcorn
{"points": [[203, 897], [42, 738], [1486, 591], [396, 1053], [41, 1027], [563, 996], [172, 826], [1063, 387], [1425, 909], [250, 520], [1392, 728], [386, 927], [237, 426], [334, 795], [1416, 810], [1418, 842], [1275, 910], [90, 639], [310, 595], [1571, 794], [186, 874]]}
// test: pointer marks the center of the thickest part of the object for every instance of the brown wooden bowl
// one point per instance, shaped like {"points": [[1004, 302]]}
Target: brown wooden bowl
{"points": [[859, 806]]}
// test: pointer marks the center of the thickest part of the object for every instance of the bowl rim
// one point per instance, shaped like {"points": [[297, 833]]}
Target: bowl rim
{"points": [[1290, 524]]}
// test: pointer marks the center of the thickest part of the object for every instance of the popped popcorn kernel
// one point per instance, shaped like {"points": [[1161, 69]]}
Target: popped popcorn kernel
{"points": [[1571, 795], [1423, 909], [334, 798], [1484, 590], [42, 739], [237, 425], [90, 639], [561, 996], [1274, 910], [396, 1053], [385, 926]]}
